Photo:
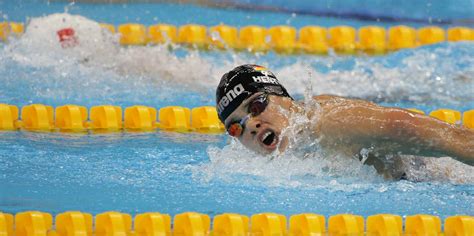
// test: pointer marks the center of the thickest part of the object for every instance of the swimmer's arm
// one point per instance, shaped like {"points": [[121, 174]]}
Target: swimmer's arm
{"points": [[405, 132], [430, 135]]}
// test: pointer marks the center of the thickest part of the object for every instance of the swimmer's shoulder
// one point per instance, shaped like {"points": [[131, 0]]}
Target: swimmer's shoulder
{"points": [[325, 97], [334, 100]]}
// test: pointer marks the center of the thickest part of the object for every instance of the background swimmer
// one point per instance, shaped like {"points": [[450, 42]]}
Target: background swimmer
{"points": [[255, 109]]}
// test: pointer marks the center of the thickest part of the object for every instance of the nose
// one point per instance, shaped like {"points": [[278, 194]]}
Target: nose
{"points": [[253, 126]]}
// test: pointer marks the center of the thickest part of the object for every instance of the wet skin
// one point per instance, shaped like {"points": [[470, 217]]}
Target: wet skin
{"points": [[349, 125]]}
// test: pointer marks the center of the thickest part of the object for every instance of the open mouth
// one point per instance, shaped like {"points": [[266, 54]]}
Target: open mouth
{"points": [[269, 139]]}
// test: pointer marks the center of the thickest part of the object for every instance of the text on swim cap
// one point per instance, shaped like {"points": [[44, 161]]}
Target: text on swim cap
{"points": [[265, 79], [229, 97]]}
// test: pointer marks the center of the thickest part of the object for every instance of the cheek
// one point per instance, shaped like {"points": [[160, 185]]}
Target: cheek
{"points": [[245, 139], [282, 119], [277, 116]]}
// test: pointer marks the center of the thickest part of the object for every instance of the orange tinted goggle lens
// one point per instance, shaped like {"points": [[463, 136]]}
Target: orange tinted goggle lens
{"points": [[235, 130]]}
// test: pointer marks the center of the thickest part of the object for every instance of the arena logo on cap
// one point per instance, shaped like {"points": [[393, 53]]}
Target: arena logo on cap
{"points": [[229, 97]]}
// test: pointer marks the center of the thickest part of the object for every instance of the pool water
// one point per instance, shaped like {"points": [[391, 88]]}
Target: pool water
{"points": [[175, 172]]}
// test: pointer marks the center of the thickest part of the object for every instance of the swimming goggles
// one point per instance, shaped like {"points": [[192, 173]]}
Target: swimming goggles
{"points": [[255, 108]]}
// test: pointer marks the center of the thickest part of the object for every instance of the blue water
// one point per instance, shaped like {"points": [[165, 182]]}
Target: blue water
{"points": [[426, 11], [154, 172], [173, 172], [297, 14]]}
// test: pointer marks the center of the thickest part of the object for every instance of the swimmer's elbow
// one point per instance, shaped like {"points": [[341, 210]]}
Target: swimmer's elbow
{"points": [[402, 125], [412, 132]]}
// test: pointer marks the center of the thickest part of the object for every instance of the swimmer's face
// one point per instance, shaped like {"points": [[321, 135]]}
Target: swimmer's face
{"points": [[262, 129]]}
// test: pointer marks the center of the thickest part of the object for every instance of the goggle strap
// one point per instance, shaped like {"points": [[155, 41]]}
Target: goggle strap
{"points": [[244, 120]]}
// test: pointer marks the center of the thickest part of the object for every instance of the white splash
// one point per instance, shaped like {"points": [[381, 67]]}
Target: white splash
{"points": [[302, 164], [234, 163]]}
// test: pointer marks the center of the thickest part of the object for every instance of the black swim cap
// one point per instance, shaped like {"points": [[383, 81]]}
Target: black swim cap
{"points": [[241, 83]]}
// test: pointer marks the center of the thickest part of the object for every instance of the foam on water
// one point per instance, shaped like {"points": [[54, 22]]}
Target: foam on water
{"points": [[35, 68], [235, 165]]}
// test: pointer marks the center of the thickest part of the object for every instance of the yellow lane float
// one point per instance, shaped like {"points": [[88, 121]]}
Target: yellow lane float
{"points": [[162, 33], [106, 118], [175, 118], [284, 39], [401, 37], [228, 224], [191, 224], [346, 224], [253, 38], [8, 117], [384, 225], [223, 36], [268, 224], [372, 40], [140, 118], [307, 224], [10, 29], [460, 34], [6, 224], [113, 223], [37, 117], [422, 225], [152, 224], [71, 118], [193, 35], [459, 225], [431, 35], [468, 119], [73, 223], [313, 39], [447, 115], [132, 34], [342, 39], [35, 223], [205, 119]]}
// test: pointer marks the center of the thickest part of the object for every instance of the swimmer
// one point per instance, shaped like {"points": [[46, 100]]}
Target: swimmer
{"points": [[255, 108]]}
